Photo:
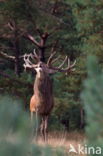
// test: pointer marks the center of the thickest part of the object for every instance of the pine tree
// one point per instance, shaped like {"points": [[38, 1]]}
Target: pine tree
{"points": [[93, 103]]}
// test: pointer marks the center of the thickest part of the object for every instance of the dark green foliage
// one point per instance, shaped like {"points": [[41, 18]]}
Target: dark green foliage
{"points": [[28, 16], [14, 127], [15, 131], [66, 114], [14, 9], [93, 102], [18, 87], [76, 24]]}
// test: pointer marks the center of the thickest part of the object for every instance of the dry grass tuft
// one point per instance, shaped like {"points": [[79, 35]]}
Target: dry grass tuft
{"points": [[59, 140], [63, 140]]}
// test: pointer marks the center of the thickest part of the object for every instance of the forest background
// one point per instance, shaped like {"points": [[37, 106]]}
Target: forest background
{"points": [[73, 28]]}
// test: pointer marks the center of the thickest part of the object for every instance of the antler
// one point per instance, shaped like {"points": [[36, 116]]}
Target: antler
{"points": [[28, 63], [70, 67], [53, 52], [35, 56], [49, 62]]}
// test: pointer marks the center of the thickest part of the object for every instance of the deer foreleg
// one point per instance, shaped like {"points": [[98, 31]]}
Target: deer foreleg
{"points": [[31, 116], [42, 127], [36, 124], [45, 127]]}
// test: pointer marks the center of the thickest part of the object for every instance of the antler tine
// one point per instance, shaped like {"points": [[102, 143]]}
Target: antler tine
{"points": [[28, 59], [67, 69], [28, 63], [68, 62], [55, 60], [35, 55], [61, 65], [71, 66], [53, 52], [51, 58]]}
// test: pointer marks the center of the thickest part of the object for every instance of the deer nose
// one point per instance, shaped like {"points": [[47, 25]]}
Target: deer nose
{"points": [[40, 69]]}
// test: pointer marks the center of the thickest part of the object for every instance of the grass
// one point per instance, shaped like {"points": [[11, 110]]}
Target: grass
{"points": [[63, 140], [58, 141]]}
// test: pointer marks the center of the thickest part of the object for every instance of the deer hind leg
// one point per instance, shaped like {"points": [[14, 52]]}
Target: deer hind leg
{"points": [[45, 128], [42, 127], [36, 124], [32, 125]]}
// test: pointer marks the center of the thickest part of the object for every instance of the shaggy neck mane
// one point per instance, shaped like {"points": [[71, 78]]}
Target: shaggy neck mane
{"points": [[43, 88]]}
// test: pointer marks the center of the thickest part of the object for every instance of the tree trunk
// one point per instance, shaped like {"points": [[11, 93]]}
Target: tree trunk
{"points": [[42, 47], [42, 54]]}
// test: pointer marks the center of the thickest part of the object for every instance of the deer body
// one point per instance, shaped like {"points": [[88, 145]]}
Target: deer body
{"points": [[42, 100]]}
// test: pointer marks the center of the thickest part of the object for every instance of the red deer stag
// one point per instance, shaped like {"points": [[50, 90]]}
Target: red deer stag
{"points": [[42, 100]]}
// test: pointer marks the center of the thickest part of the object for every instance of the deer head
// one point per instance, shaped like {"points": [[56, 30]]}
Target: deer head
{"points": [[42, 68]]}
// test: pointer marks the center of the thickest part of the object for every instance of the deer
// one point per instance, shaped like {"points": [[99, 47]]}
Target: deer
{"points": [[42, 100]]}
